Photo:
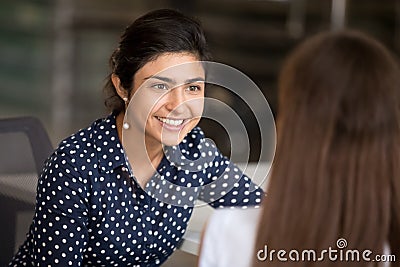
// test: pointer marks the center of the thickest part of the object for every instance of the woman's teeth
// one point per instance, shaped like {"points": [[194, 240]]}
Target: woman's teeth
{"points": [[170, 121]]}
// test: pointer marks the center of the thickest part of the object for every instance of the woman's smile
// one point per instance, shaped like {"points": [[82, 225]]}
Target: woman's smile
{"points": [[171, 121]]}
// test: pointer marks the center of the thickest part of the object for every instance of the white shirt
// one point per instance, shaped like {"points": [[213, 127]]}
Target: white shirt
{"points": [[229, 238]]}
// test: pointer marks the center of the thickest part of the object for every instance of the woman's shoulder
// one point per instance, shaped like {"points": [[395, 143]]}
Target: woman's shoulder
{"points": [[88, 151], [236, 216], [229, 237], [87, 139], [226, 221], [196, 135], [195, 152]]}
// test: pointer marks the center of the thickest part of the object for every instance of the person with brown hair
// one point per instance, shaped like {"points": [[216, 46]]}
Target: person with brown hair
{"points": [[335, 179]]}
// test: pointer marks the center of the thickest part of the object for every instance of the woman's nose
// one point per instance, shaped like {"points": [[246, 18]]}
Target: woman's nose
{"points": [[175, 100]]}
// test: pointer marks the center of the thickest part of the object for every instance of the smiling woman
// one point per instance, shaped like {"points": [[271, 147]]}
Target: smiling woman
{"points": [[117, 193], [166, 103]]}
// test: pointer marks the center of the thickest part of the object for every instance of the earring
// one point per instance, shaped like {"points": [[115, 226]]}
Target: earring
{"points": [[125, 99], [125, 125]]}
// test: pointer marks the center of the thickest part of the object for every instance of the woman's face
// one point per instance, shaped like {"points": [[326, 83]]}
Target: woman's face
{"points": [[168, 98]]}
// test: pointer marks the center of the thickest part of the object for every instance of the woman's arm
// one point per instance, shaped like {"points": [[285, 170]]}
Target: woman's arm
{"points": [[59, 232]]}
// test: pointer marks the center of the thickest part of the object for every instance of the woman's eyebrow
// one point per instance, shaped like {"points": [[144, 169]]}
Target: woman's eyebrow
{"points": [[162, 78], [172, 81], [195, 80]]}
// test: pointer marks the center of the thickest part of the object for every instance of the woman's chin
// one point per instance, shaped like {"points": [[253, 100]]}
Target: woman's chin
{"points": [[174, 138], [171, 141]]}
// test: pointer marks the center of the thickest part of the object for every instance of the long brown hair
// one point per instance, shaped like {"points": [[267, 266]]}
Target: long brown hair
{"points": [[336, 172]]}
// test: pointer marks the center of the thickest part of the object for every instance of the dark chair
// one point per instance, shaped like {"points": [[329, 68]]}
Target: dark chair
{"points": [[25, 146]]}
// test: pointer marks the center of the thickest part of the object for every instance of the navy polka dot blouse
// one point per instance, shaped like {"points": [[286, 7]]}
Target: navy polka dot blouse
{"points": [[91, 212]]}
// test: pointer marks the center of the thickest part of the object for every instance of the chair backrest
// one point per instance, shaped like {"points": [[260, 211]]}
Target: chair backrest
{"points": [[24, 147]]}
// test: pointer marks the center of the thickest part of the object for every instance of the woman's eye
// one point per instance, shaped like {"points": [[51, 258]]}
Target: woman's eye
{"points": [[194, 88], [160, 86]]}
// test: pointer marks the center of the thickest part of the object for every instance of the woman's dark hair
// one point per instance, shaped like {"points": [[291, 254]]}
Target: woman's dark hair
{"points": [[336, 172], [157, 32]]}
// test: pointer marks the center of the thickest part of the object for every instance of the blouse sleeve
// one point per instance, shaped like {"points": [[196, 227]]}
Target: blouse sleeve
{"points": [[59, 231], [228, 185]]}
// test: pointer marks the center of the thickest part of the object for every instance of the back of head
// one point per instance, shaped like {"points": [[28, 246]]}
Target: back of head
{"points": [[336, 170]]}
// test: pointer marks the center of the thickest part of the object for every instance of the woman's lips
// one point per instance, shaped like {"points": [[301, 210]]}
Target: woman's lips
{"points": [[172, 124]]}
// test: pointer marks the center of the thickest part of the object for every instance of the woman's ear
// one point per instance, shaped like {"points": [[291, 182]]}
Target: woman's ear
{"points": [[118, 87]]}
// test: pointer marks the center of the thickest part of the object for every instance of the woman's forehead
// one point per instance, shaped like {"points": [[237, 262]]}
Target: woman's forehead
{"points": [[175, 66]]}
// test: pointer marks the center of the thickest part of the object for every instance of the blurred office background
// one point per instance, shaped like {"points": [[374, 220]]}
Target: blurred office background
{"points": [[54, 53]]}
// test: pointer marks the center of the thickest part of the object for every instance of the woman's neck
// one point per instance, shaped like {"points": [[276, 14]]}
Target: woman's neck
{"points": [[144, 157]]}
